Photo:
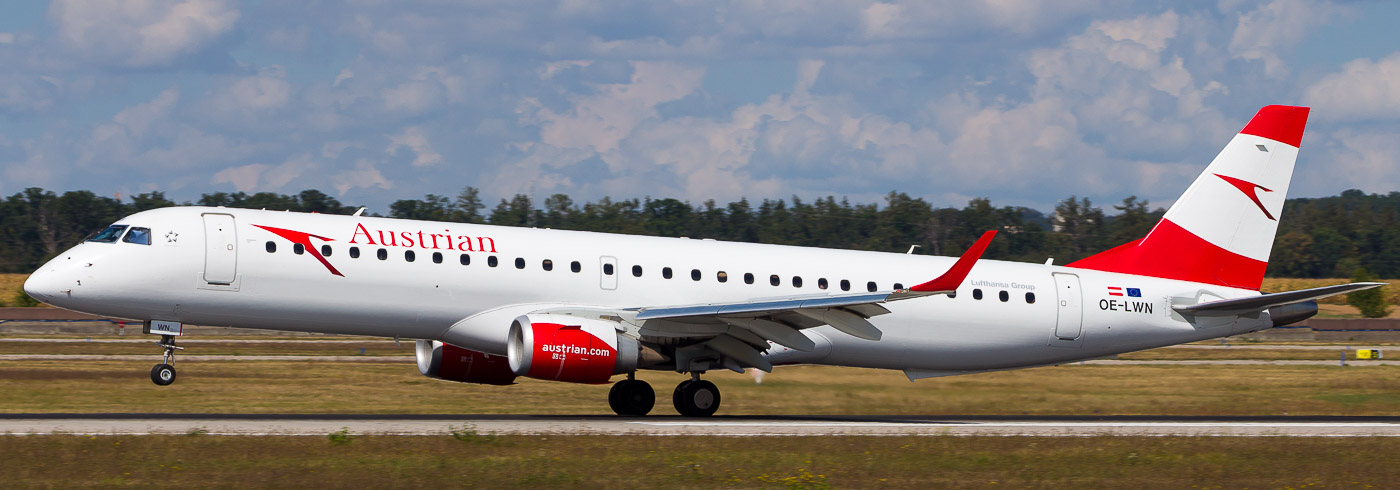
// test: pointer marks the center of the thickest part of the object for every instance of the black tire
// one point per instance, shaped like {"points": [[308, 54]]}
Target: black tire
{"points": [[163, 374], [677, 396], [696, 398], [631, 398]]}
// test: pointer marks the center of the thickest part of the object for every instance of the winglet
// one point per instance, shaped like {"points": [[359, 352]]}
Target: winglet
{"points": [[949, 281]]}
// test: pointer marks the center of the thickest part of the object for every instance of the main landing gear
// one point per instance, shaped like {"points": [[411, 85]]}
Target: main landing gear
{"points": [[694, 397], [164, 373], [631, 397]]}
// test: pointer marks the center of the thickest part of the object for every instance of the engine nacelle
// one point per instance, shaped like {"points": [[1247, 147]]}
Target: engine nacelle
{"points": [[569, 348], [451, 363]]}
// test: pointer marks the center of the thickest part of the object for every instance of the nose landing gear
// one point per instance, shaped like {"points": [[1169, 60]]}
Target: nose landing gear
{"points": [[164, 373]]}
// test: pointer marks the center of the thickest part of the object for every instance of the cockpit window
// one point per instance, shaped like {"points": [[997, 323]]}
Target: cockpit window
{"points": [[109, 235], [138, 235]]}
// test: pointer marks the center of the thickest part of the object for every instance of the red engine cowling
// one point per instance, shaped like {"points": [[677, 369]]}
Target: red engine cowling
{"points": [[569, 348], [452, 363]]}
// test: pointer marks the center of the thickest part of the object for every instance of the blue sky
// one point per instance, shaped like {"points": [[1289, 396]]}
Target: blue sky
{"points": [[1021, 101]]}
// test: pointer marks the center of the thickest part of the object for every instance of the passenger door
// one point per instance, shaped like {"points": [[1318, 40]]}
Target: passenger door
{"points": [[1069, 319], [220, 249]]}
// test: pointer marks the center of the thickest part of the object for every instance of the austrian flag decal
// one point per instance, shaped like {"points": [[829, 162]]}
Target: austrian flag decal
{"points": [[1118, 291]]}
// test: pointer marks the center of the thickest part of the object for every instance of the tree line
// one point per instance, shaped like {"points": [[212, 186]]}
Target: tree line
{"points": [[1322, 237]]}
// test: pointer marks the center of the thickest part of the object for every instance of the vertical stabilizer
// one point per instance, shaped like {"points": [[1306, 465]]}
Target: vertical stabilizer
{"points": [[1222, 229]]}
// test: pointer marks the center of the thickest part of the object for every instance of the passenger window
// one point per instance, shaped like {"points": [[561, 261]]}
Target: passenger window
{"points": [[608, 269], [465, 259], [977, 294], [898, 286], [695, 274], [1003, 296], [821, 283], [845, 285], [636, 271], [774, 280], [109, 235], [298, 249], [666, 272], [797, 281], [354, 252], [952, 295], [547, 264], [575, 266], [271, 247], [139, 236], [721, 276], [437, 257], [491, 261], [1030, 298], [519, 263], [870, 286], [383, 254], [325, 250], [748, 278], [409, 256]]}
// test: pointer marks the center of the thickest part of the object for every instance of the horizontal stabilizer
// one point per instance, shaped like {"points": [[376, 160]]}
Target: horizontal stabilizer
{"points": [[1240, 306]]}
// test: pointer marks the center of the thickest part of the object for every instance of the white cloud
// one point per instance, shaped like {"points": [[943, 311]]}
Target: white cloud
{"points": [[1353, 159], [363, 176], [416, 141], [1363, 89], [1276, 26], [259, 177], [601, 119], [251, 98], [140, 33]]}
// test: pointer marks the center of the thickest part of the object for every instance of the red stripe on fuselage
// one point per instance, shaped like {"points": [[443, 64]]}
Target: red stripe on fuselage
{"points": [[1171, 252]]}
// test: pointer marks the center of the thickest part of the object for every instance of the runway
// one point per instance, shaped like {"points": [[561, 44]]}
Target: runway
{"points": [[410, 359], [953, 425]]}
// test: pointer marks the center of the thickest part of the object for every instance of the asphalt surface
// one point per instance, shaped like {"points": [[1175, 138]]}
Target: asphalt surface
{"points": [[664, 425]]}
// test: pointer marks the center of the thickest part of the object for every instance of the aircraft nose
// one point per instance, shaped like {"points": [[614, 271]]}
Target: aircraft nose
{"points": [[41, 285]]}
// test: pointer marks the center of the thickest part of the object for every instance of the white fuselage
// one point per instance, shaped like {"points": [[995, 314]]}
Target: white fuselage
{"points": [[1051, 314]]}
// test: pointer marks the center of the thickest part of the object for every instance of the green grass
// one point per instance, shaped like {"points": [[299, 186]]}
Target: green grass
{"points": [[698, 462], [329, 387]]}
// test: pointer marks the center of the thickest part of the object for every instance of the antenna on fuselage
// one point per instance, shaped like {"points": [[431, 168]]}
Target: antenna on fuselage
{"points": [[912, 248], [359, 211]]}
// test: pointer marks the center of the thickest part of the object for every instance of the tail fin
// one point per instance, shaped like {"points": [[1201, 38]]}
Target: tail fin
{"points": [[1222, 230]]}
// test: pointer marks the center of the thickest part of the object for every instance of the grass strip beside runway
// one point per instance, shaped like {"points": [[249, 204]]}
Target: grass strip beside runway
{"points": [[470, 458], [313, 387]]}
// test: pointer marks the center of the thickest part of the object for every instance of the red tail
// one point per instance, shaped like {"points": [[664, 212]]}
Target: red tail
{"points": [[1222, 229]]}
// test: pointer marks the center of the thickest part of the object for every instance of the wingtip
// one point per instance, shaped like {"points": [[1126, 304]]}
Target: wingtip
{"points": [[955, 275]]}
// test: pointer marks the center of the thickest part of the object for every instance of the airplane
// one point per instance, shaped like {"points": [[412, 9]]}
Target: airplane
{"points": [[487, 304]]}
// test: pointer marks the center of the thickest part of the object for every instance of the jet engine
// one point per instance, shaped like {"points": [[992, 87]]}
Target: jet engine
{"points": [[569, 348], [452, 363]]}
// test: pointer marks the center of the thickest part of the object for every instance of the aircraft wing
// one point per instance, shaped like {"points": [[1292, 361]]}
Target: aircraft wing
{"points": [[740, 330], [1240, 306]]}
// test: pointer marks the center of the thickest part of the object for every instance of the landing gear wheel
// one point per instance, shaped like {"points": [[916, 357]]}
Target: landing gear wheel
{"points": [[631, 398], [163, 374], [696, 398]]}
